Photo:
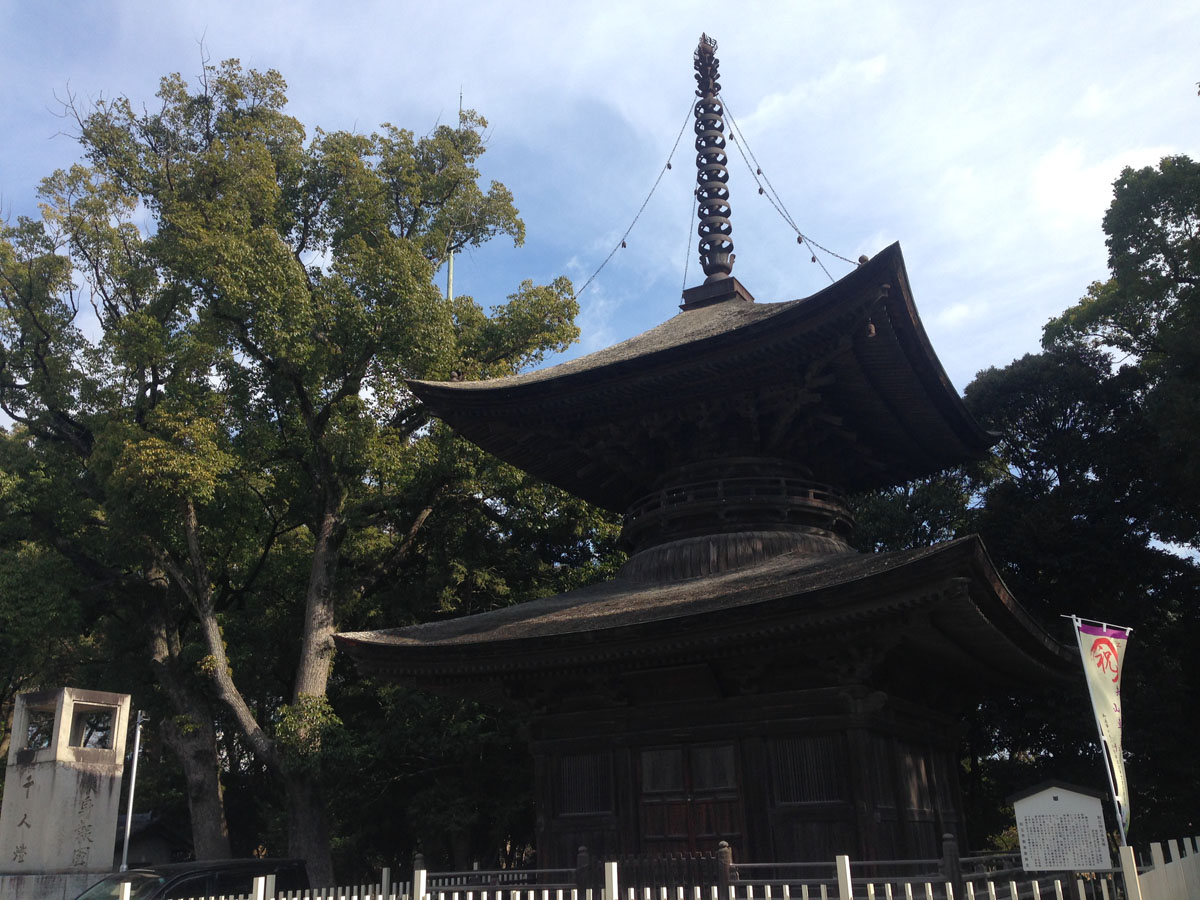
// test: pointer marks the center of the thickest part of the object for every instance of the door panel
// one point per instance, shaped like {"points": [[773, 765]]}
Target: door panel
{"points": [[690, 798]]}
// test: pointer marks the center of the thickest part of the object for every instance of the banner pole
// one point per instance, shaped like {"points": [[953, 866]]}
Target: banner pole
{"points": [[1104, 746]]}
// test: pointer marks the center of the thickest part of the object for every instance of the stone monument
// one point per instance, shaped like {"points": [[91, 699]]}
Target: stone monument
{"points": [[63, 782]]}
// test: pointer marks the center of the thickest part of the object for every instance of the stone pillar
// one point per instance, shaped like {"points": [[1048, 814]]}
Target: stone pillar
{"points": [[62, 786]]}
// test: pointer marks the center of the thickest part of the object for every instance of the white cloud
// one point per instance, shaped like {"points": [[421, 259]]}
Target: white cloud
{"points": [[1070, 193], [1096, 101], [958, 315], [829, 89], [983, 136]]}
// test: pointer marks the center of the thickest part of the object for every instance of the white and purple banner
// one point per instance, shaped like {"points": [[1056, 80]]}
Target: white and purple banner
{"points": [[1103, 649]]}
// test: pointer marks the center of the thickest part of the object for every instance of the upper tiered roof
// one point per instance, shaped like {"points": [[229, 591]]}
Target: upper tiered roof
{"points": [[843, 383]]}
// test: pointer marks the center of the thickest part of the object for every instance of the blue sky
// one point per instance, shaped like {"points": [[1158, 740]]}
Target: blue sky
{"points": [[982, 136]]}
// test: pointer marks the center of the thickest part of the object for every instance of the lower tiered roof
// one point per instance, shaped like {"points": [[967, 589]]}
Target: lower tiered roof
{"points": [[936, 612]]}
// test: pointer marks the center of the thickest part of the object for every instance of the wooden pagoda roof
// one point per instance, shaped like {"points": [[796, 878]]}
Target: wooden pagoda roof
{"points": [[939, 613], [844, 382]]}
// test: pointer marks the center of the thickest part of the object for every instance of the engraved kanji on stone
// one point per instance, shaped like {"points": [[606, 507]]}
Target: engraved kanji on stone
{"points": [[83, 833]]}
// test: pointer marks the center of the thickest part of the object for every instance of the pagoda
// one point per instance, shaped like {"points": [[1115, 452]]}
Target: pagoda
{"points": [[747, 676]]}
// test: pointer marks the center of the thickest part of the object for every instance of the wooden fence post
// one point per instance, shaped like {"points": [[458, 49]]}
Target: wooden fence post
{"points": [[583, 869], [1156, 855], [419, 881], [611, 885], [385, 883], [725, 871], [845, 884], [1133, 888], [952, 865]]}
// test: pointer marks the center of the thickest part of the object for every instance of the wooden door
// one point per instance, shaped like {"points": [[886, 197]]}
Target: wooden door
{"points": [[690, 797]]}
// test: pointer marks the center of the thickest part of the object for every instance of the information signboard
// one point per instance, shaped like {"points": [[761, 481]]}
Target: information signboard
{"points": [[1061, 829]]}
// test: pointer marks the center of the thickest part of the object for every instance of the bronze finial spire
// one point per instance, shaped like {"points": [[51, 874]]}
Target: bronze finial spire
{"points": [[716, 243], [712, 192]]}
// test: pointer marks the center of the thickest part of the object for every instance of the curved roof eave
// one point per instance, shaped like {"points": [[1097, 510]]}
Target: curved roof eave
{"points": [[559, 423], [693, 334], [610, 621]]}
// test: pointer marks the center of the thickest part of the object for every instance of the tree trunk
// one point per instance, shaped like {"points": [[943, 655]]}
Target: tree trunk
{"points": [[195, 744], [190, 733], [316, 651], [308, 828], [308, 831]]}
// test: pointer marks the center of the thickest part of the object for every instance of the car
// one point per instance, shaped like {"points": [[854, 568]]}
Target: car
{"points": [[202, 878]]}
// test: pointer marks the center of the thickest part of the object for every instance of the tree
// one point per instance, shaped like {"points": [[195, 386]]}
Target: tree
{"points": [[1097, 479], [1058, 516], [1146, 318], [1091, 495], [40, 616], [243, 456], [920, 513]]}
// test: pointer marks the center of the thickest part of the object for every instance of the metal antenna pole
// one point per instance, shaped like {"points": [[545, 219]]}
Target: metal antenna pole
{"points": [[137, 743], [450, 261]]}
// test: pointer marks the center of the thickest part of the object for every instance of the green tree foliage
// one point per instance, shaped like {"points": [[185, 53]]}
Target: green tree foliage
{"points": [[917, 514], [1059, 518], [40, 611], [1098, 479], [234, 463], [1146, 317]]}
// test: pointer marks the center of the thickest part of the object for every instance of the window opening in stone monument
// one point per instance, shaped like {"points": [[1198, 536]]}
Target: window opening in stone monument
{"points": [[91, 727], [39, 728]]}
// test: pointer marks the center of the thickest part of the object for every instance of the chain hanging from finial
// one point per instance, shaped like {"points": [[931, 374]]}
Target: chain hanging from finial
{"points": [[712, 192]]}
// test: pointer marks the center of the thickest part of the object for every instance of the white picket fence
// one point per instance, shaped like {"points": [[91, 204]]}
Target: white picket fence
{"points": [[844, 887], [1177, 878]]}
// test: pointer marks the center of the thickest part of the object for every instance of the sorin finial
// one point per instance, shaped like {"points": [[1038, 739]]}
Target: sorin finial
{"points": [[712, 192]]}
